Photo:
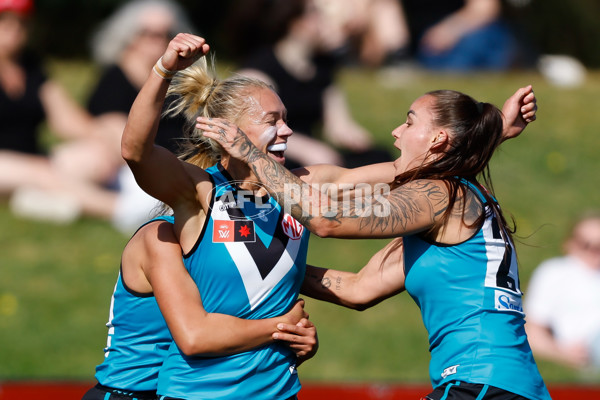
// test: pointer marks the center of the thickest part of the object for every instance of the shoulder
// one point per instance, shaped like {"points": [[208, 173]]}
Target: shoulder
{"points": [[151, 236]]}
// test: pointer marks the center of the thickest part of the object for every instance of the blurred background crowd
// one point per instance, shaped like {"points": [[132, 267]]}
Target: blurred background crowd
{"points": [[299, 46], [296, 45]]}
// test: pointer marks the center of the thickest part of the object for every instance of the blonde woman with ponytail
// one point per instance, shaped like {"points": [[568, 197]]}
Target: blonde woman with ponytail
{"points": [[245, 253], [221, 318]]}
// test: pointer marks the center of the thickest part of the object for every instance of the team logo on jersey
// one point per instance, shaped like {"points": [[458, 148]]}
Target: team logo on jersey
{"points": [[225, 231], [450, 370], [291, 227]]}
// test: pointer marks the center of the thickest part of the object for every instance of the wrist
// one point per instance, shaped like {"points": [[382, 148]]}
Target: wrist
{"points": [[162, 72]]}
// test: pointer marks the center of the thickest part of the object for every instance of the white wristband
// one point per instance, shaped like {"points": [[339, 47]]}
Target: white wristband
{"points": [[161, 71]]}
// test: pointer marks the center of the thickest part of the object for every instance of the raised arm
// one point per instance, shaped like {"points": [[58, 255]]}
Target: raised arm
{"points": [[194, 330], [518, 111], [157, 171]]}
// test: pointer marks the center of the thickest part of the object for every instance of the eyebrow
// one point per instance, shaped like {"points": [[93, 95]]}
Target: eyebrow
{"points": [[411, 112], [276, 114]]}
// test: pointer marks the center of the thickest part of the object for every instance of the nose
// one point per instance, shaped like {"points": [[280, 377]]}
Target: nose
{"points": [[284, 130], [397, 132]]}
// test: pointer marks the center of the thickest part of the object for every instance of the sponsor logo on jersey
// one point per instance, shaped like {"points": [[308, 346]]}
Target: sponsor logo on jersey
{"points": [[291, 227], [233, 231], [508, 302], [450, 370]]}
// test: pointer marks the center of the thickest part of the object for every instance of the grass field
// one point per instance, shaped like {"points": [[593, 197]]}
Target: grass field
{"points": [[56, 281]]}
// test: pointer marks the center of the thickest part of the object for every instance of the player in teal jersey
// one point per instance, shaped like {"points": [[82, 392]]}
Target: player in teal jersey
{"points": [[139, 338], [453, 250], [245, 255], [218, 203]]}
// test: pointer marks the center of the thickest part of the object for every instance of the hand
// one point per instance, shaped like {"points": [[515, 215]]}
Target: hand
{"points": [[231, 138], [296, 313], [519, 110], [184, 50], [301, 338]]}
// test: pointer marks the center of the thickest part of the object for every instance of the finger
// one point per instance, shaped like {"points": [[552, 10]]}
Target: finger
{"points": [[305, 323], [522, 92], [287, 337], [527, 108], [294, 329]]}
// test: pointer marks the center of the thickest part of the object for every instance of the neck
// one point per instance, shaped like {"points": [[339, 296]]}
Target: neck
{"points": [[241, 173]]}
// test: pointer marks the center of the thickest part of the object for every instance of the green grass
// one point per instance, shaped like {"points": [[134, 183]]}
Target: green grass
{"points": [[56, 281]]}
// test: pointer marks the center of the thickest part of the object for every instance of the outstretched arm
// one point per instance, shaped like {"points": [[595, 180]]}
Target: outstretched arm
{"points": [[382, 213], [194, 330]]}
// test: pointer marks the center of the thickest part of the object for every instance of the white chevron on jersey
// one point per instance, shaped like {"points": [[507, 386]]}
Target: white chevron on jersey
{"points": [[257, 288]]}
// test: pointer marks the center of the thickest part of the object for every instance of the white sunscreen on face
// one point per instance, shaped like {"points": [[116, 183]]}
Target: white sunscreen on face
{"points": [[267, 136]]}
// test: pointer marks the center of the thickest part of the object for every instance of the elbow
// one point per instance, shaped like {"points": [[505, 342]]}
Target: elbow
{"points": [[189, 344], [360, 305], [129, 152]]}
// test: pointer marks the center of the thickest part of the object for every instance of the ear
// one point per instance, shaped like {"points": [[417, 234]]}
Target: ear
{"points": [[439, 141]]}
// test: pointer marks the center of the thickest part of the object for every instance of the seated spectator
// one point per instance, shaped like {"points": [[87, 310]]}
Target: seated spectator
{"points": [[127, 45], [374, 31], [298, 59], [39, 182], [563, 300], [460, 35]]}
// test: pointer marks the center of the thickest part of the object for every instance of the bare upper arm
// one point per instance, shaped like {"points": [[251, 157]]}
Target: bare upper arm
{"points": [[383, 276], [370, 174]]}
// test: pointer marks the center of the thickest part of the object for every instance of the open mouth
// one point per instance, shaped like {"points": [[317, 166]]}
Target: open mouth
{"points": [[277, 149]]}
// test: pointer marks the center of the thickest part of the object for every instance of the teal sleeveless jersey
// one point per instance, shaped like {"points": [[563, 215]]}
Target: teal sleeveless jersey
{"points": [[249, 262], [138, 340], [470, 302]]}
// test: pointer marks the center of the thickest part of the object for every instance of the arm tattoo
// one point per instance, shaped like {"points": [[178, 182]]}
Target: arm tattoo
{"points": [[402, 202], [403, 208]]}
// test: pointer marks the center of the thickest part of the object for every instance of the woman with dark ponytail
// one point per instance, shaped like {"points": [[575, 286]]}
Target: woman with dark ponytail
{"points": [[452, 248]]}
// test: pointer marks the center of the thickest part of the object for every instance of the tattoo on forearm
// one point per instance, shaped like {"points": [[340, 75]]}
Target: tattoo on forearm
{"points": [[405, 203]]}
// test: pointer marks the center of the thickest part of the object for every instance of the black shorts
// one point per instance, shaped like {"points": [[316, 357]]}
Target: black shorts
{"points": [[101, 392], [470, 391], [174, 398]]}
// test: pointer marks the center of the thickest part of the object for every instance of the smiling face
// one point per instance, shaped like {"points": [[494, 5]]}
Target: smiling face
{"points": [[266, 123], [418, 136]]}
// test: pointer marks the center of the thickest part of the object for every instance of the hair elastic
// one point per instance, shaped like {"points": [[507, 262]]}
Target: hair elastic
{"points": [[479, 107]]}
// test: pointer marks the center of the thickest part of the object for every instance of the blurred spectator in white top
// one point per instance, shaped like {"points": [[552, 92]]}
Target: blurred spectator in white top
{"points": [[562, 303]]}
